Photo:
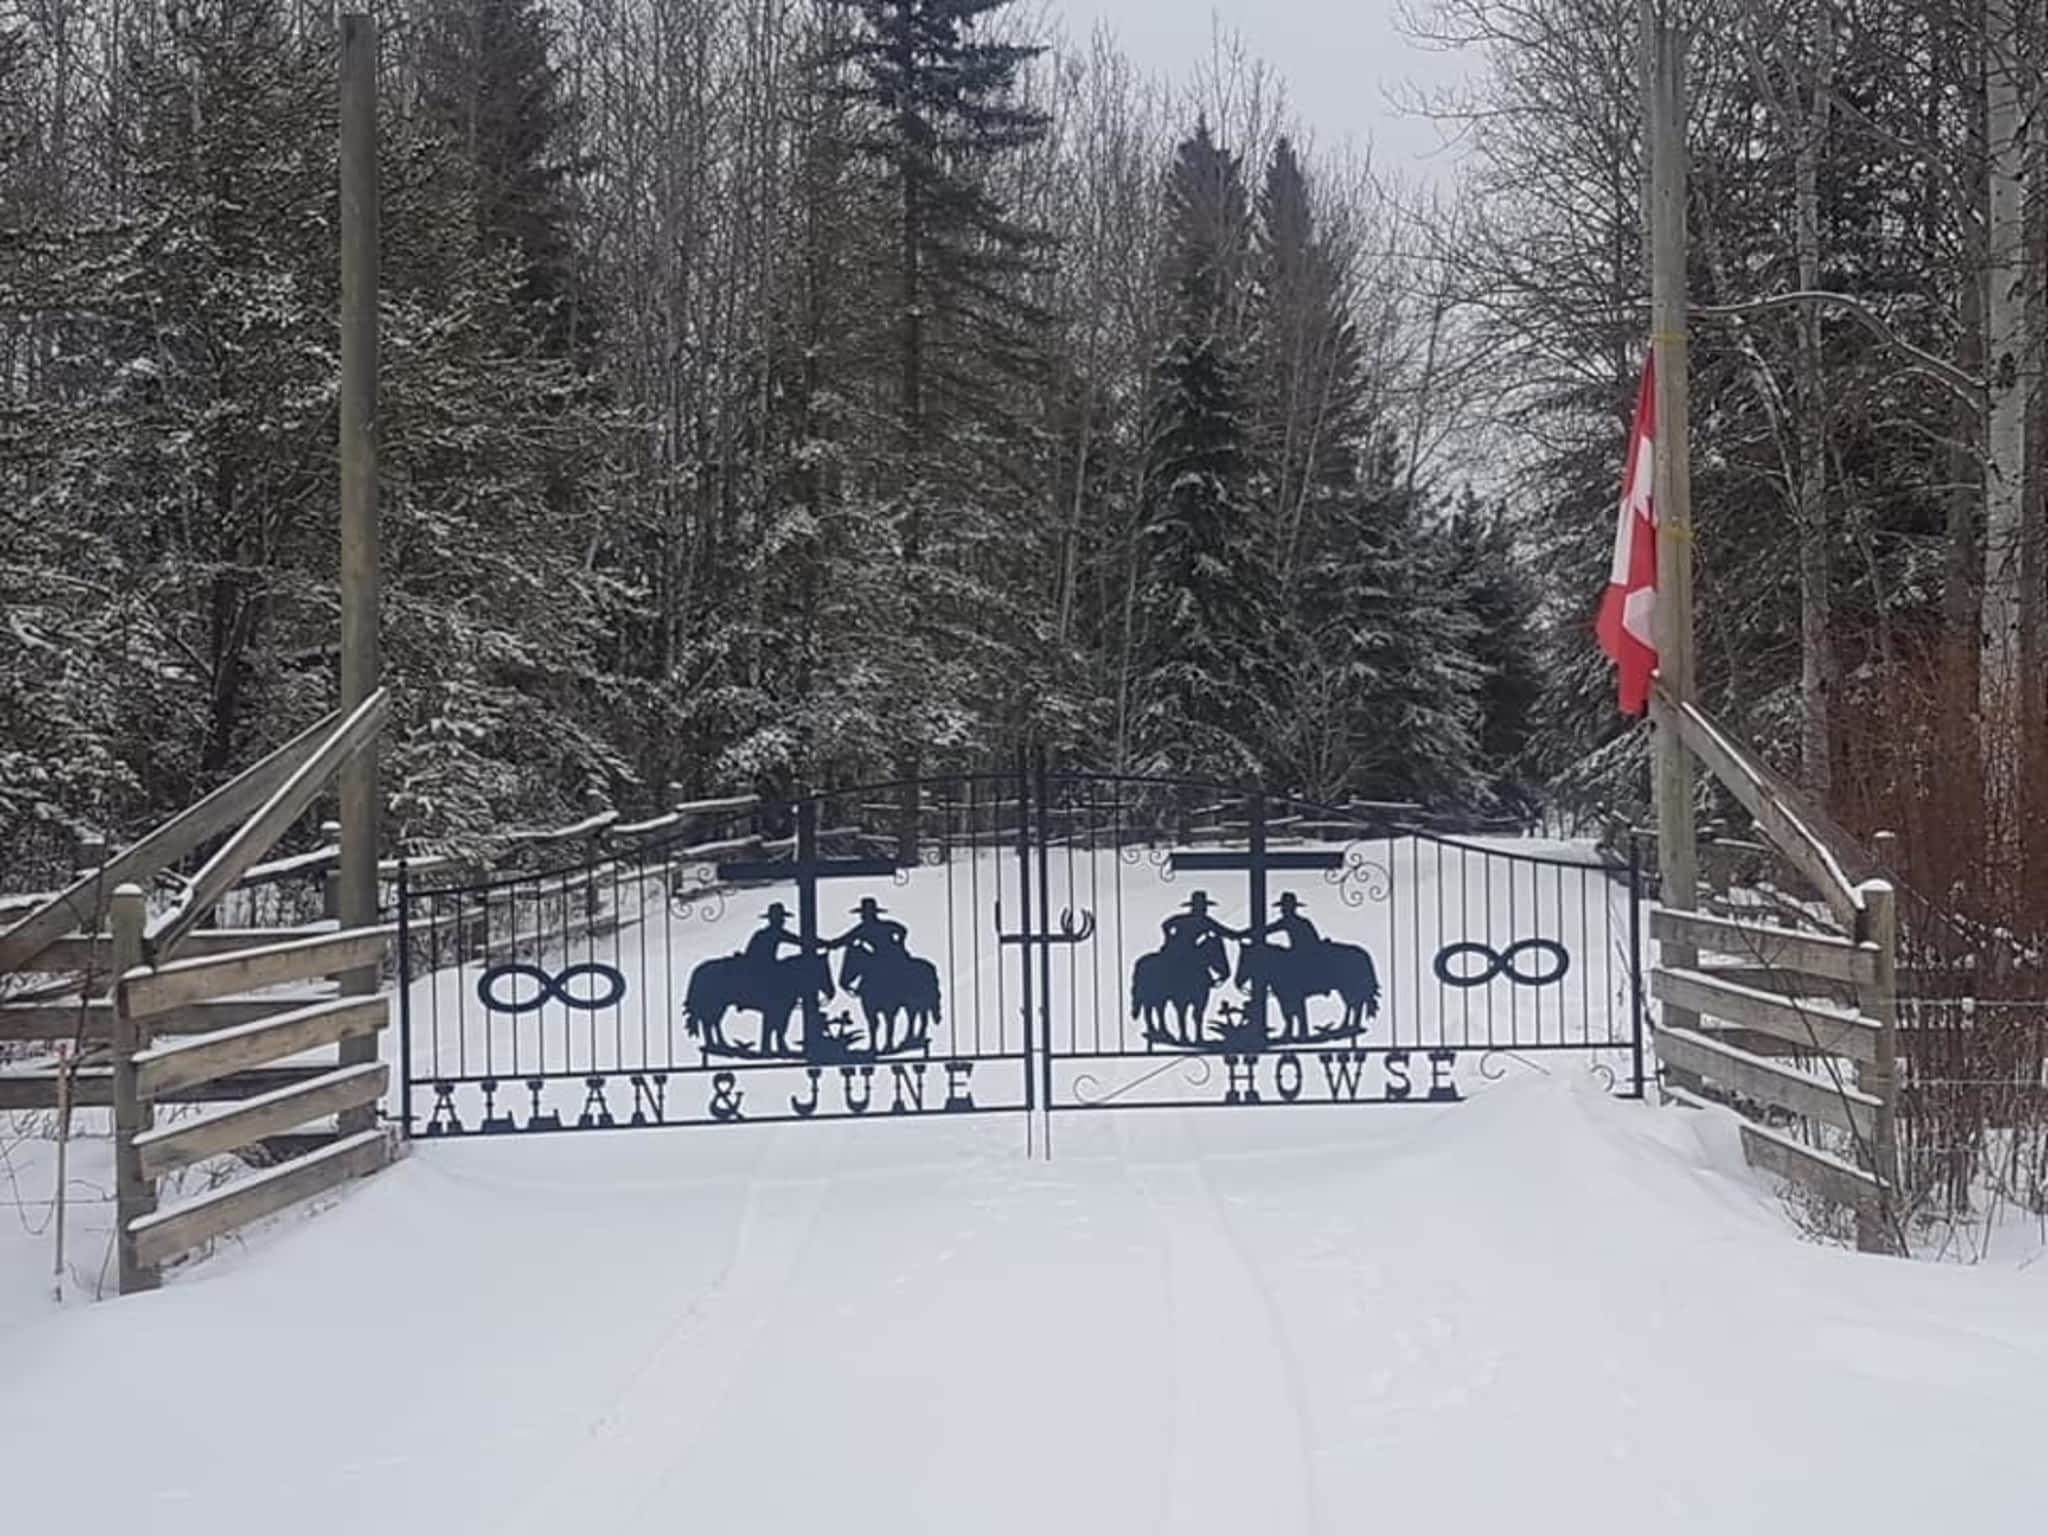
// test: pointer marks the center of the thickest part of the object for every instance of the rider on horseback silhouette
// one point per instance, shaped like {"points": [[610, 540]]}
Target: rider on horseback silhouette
{"points": [[880, 936]]}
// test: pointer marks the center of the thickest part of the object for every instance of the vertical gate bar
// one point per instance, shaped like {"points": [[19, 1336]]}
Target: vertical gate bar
{"points": [[1255, 806], [1024, 923], [1465, 932], [1441, 1021], [1044, 930], [1073, 959], [671, 876], [619, 1007], [1415, 938], [640, 895], [974, 931], [949, 846], [1585, 930], [1635, 952], [1560, 936], [433, 966], [1490, 930], [1095, 903], [461, 958], [1116, 870], [404, 1004], [807, 912]]}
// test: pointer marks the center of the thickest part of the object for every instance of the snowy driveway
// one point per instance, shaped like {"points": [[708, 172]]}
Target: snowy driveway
{"points": [[1536, 1311]]}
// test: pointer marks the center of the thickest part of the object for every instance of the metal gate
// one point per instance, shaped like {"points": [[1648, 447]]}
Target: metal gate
{"points": [[1031, 941]]}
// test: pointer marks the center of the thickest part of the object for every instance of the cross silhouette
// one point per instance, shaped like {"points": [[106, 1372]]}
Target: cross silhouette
{"points": [[807, 870], [1256, 861]]}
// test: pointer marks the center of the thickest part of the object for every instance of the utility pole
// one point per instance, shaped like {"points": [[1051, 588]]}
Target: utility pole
{"points": [[359, 639], [1677, 851]]}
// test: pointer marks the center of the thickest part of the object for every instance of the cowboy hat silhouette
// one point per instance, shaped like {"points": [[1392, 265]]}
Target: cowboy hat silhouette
{"points": [[868, 907], [1289, 902], [1199, 902], [776, 913]]}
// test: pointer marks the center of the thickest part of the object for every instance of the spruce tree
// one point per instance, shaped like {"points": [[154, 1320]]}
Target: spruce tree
{"points": [[931, 113], [1308, 366], [934, 112], [1210, 603], [1388, 705], [1500, 598], [491, 86]]}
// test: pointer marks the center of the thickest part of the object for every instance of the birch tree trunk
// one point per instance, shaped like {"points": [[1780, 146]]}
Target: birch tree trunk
{"points": [[2001, 687], [1816, 643]]}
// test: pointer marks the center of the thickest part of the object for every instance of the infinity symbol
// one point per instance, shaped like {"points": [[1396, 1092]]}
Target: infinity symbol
{"points": [[554, 988], [1502, 963]]}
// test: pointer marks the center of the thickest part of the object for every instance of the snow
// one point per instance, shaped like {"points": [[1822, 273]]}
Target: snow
{"points": [[1543, 1306]]}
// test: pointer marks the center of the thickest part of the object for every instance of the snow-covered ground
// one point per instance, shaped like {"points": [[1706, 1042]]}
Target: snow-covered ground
{"points": [[1543, 1309]]}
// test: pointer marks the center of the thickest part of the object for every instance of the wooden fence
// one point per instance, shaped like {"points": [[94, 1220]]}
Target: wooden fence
{"points": [[158, 1010], [1794, 1026]]}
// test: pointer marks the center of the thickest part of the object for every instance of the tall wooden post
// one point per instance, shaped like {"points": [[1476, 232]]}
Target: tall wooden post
{"points": [[1879, 1231], [359, 647], [1677, 850], [134, 1194]]}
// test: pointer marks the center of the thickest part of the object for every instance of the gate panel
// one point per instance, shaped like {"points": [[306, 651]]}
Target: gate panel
{"points": [[1026, 941], [833, 958], [1245, 951]]}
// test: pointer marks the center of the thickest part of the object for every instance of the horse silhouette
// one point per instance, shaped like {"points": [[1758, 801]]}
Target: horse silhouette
{"points": [[1181, 980], [900, 986], [1293, 978], [773, 991]]}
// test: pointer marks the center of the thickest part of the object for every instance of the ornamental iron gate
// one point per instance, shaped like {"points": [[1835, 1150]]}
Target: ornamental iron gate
{"points": [[1033, 941]]}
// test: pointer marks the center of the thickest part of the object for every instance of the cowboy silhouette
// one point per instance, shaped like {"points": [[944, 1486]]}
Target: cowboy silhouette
{"points": [[1299, 932], [1186, 930], [875, 933], [764, 948]]}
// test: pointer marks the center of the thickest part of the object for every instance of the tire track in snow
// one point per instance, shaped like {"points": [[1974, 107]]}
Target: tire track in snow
{"points": [[1237, 1405], [648, 1426], [1293, 1376], [1162, 1252]]}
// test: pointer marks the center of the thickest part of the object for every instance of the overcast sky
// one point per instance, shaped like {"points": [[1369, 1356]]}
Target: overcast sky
{"points": [[1342, 60]]}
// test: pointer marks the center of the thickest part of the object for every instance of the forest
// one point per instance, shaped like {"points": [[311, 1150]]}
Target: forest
{"points": [[819, 391]]}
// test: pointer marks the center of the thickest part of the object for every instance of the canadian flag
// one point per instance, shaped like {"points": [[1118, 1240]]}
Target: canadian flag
{"points": [[1628, 613]]}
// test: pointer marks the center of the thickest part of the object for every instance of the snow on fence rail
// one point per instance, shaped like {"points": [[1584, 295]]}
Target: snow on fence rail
{"points": [[1803, 1026]]}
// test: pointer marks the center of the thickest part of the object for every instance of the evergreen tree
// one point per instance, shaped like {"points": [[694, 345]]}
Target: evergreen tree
{"points": [[932, 113], [1308, 365], [1390, 703], [490, 84], [1210, 603], [1501, 601]]}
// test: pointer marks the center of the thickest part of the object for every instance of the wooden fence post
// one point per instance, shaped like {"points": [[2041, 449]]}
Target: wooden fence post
{"points": [[1882, 1231], [90, 860], [134, 1194]]}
